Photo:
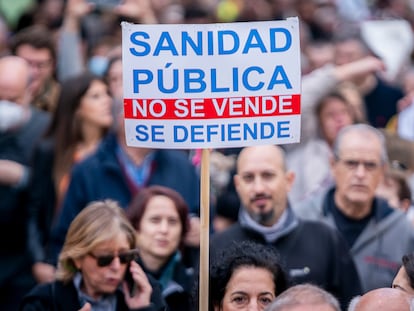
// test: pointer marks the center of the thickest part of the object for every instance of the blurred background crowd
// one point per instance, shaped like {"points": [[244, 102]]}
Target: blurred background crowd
{"points": [[65, 109]]}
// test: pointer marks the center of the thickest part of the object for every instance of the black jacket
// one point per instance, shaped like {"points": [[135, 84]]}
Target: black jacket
{"points": [[178, 292], [311, 253], [58, 296]]}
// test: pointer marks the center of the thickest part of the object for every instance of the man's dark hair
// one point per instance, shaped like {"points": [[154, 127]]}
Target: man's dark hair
{"points": [[244, 254], [408, 264], [37, 36]]}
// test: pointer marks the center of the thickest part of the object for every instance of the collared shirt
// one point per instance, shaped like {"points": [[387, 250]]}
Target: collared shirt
{"points": [[105, 303], [138, 174]]}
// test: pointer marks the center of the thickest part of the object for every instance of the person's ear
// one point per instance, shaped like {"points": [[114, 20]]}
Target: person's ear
{"points": [[405, 204], [290, 179], [236, 181]]}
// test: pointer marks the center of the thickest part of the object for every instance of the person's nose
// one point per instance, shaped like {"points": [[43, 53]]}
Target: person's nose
{"points": [[253, 306], [360, 170], [258, 185], [164, 226], [116, 263]]}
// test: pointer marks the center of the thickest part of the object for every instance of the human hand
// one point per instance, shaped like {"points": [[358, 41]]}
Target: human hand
{"points": [[139, 10], [86, 307], [405, 102], [74, 11], [11, 172], [78, 8], [142, 296], [359, 68], [43, 272], [192, 238]]}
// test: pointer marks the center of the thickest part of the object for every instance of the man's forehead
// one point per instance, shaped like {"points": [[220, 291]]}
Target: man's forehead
{"points": [[260, 160], [259, 152], [360, 142]]}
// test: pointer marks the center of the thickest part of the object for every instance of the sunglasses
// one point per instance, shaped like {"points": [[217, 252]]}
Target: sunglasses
{"points": [[106, 260]]}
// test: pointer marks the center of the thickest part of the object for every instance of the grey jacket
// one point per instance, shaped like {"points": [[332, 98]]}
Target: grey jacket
{"points": [[378, 250]]}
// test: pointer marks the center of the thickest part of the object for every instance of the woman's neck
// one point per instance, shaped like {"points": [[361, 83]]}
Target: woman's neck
{"points": [[152, 263]]}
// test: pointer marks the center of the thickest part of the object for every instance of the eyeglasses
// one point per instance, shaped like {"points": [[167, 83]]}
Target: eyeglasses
{"points": [[39, 64], [354, 164], [106, 260]]}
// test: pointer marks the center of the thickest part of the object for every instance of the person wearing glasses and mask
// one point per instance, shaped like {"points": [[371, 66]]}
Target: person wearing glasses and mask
{"points": [[97, 259], [378, 235]]}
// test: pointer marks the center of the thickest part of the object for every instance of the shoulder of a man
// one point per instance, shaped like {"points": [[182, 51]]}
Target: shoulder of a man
{"points": [[310, 208], [222, 240], [396, 223], [169, 157], [319, 231]]}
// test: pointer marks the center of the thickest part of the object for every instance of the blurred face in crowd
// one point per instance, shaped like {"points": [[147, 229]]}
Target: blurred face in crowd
{"points": [[358, 170], [334, 115], [99, 280], [96, 106], [249, 288], [14, 77], [263, 183], [348, 51], [319, 55], [160, 229], [41, 65], [114, 77]]}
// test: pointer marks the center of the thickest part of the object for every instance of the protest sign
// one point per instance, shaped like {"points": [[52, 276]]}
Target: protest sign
{"points": [[211, 85]]}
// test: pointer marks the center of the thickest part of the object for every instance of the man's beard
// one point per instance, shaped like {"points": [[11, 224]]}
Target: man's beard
{"points": [[263, 218]]}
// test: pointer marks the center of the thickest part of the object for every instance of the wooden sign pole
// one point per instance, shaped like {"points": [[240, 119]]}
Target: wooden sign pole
{"points": [[204, 230]]}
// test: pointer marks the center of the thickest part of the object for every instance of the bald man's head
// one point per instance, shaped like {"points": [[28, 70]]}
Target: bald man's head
{"points": [[14, 80], [247, 153], [263, 183], [389, 299]]}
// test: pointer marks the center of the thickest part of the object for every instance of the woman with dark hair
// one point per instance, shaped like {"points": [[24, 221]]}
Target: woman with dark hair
{"points": [[246, 276], [113, 76], [160, 217], [404, 279], [81, 119]]}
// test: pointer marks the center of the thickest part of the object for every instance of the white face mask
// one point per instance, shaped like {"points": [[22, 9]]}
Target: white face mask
{"points": [[11, 115], [98, 64]]}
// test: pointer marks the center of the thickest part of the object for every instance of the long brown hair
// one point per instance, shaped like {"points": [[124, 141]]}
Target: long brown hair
{"points": [[66, 127]]}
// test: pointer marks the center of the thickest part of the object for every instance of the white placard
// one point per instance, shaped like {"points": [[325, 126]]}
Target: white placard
{"points": [[211, 85]]}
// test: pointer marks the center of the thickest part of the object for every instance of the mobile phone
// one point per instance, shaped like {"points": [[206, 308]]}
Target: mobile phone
{"points": [[132, 286]]}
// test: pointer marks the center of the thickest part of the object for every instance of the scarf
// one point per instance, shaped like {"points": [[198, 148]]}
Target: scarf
{"points": [[285, 224]]}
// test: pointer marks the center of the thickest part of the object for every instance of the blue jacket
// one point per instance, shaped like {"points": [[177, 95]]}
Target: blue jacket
{"points": [[101, 176]]}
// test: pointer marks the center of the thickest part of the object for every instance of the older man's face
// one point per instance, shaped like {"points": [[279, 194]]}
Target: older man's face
{"points": [[359, 169]]}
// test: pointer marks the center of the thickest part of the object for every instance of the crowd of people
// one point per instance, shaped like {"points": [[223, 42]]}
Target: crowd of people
{"points": [[89, 223]]}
